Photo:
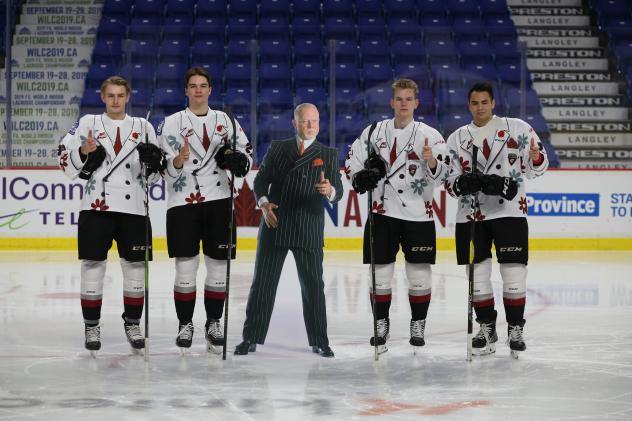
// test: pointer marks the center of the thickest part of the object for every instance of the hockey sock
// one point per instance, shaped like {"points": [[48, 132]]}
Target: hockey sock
{"points": [[419, 277], [483, 300], [133, 290], [514, 277], [214, 288], [184, 287], [92, 274], [383, 292]]}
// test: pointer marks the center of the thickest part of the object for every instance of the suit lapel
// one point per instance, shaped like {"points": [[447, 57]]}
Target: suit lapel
{"points": [[308, 156]]}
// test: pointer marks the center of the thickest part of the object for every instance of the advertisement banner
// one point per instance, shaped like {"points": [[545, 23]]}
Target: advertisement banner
{"points": [[562, 204], [56, 30]]}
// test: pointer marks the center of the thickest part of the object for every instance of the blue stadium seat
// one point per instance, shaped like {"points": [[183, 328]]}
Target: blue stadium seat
{"points": [[408, 52], [378, 99], [169, 75], [308, 49], [497, 8], [208, 50], [174, 51], [463, 7], [180, 8], [435, 28], [275, 99], [452, 100], [403, 29], [112, 28], [420, 73], [269, 8], [271, 29], [480, 72], [449, 122], [347, 75], [368, 8], [209, 28], [97, 73], [239, 99], [142, 52], [429, 119], [372, 28], [305, 26], [242, 8], [237, 75], [468, 28], [447, 75], [400, 8], [276, 126], [145, 28], [431, 7], [375, 51], [147, 8], [510, 74], [349, 100], [169, 100], [339, 28], [91, 101], [140, 75], [346, 51], [107, 51], [239, 51], [114, 9], [377, 74], [506, 52], [500, 28], [338, 8], [140, 100], [275, 51], [308, 75], [316, 96], [211, 8], [514, 97], [427, 103], [441, 52], [623, 53], [475, 52], [275, 75]]}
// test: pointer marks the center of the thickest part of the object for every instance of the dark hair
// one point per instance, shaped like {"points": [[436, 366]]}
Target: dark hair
{"points": [[481, 87], [196, 71]]}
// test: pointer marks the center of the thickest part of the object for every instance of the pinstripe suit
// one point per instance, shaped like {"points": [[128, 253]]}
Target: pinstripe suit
{"points": [[288, 180]]}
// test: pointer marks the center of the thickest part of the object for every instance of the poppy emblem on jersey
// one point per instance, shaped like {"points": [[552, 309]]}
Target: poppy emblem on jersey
{"points": [[194, 198], [317, 162], [220, 128], [512, 144], [501, 134], [135, 135], [412, 169], [512, 158], [99, 205], [412, 156]]}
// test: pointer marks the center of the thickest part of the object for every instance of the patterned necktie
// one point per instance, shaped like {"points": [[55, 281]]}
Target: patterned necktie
{"points": [[301, 148], [206, 142], [394, 151], [486, 149], [117, 142]]}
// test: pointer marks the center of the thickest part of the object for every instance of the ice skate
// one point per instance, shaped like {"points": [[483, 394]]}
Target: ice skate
{"points": [[417, 328], [515, 340], [185, 337], [134, 337], [214, 336], [93, 339], [484, 343], [383, 326]]}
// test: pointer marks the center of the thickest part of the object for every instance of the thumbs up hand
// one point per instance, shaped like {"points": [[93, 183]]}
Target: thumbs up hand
{"points": [[183, 155], [534, 151], [427, 155], [323, 186], [89, 145]]}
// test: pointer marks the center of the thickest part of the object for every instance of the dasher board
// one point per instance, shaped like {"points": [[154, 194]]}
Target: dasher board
{"points": [[591, 140], [553, 21], [561, 42], [560, 3]]}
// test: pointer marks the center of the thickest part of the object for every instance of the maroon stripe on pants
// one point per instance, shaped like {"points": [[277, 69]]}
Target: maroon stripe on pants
{"points": [[213, 295], [515, 302], [133, 301], [184, 296], [419, 298], [91, 303], [382, 298], [485, 303]]}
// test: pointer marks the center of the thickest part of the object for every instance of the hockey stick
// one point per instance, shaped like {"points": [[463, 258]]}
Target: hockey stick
{"points": [[470, 278], [147, 241], [372, 260], [230, 233]]}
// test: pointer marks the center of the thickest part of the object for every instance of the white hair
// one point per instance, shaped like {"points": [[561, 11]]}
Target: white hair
{"points": [[299, 108]]}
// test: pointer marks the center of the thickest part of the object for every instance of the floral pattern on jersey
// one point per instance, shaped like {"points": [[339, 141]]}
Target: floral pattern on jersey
{"points": [[180, 183], [523, 141], [378, 207], [465, 165], [478, 216], [522, 203], [63, 161], [429, 211], [516, 176], [418, 186], [99, 205], [194, 198], [90, 185], [173, 142]]}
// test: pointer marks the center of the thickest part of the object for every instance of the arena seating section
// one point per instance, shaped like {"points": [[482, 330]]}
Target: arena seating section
{"points": [[443, 45]]}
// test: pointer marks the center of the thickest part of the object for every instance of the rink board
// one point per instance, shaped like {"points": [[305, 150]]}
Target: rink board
{"points": [[567, 210]]}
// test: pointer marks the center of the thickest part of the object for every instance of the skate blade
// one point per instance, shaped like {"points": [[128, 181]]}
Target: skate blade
{"points": [[214, 349], [514, 354], [183, 351], [138, 351], [416, 349], [482, 352], [93, 354], [381, 349]]}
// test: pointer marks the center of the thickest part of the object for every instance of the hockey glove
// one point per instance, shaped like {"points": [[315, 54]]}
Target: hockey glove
{"points": [[495, 185], [152, 156], [236, 162], [375, 162], [366, 180], [93, 161], [468, 183]]}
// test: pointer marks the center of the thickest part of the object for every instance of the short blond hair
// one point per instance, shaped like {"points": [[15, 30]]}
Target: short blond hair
{"points": [[405, 84], [118, 81]]}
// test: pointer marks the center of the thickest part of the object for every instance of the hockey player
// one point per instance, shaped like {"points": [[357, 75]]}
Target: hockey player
{"points": [[508, 151], [402, 169], [200, 160], [108, 151]]}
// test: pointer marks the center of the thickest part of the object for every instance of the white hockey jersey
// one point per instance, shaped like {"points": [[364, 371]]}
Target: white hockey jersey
{"points": [[503, 145], [407, 190], [118, 184], [200, 179]]}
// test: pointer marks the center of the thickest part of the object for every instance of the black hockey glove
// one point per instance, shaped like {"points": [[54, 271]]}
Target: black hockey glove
{"points": [[366, 180], [152, 156], [495, 185], [92, 161], [375, 162], [468, 183], [234, 161]]}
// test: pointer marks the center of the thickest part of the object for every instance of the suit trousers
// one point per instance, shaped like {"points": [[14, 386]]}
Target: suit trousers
{"points": [[268, 266]]}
